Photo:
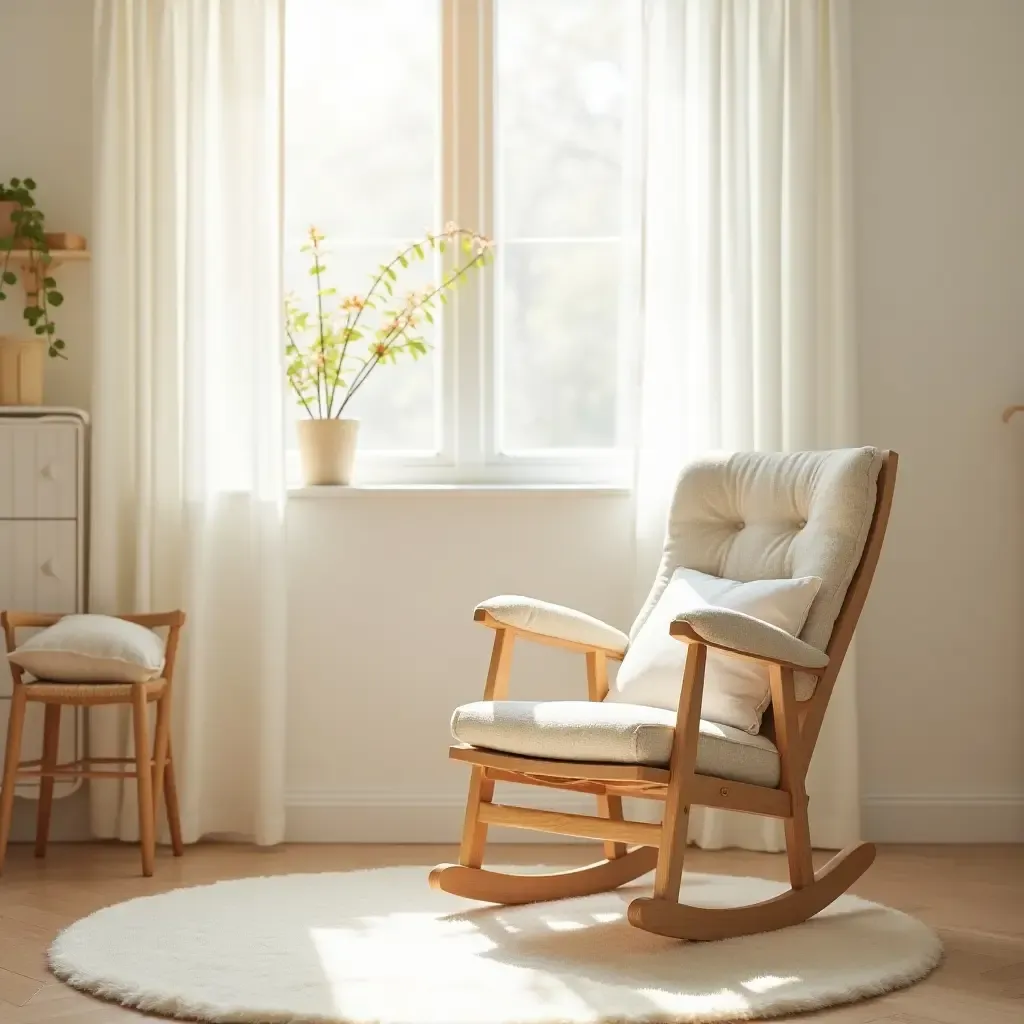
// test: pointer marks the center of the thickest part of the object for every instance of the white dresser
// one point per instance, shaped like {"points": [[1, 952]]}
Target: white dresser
{"points": [[43, 534]]}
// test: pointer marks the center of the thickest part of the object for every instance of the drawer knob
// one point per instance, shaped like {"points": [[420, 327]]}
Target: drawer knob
{"points": [[47, 472], [47, 569]]}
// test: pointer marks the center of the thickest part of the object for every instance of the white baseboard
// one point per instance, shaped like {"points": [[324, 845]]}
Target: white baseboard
{"points": [[386, 816], [927, 818]]}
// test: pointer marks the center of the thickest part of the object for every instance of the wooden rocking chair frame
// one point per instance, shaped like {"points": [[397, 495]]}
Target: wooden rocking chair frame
{"points": [[662, 846]]}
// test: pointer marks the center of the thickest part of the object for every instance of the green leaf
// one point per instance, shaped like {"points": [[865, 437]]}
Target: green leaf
{"points": [[440, 245], [10, 277], [15, 182], [418, 249], [54, 298], [51, 328], [392, 274], [53, 351], [59, 343], [39, 330], [6, 244], [29, 183], [49, 282], [426, 313]]}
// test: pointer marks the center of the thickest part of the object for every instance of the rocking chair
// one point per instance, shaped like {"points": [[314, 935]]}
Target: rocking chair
{"points": [[744, 517]]}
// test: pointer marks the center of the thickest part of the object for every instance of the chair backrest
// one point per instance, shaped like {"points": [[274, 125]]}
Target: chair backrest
{"points": [[753, 515]]}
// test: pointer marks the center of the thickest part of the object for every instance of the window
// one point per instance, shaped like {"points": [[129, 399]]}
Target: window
{"points": [[510, 117]]}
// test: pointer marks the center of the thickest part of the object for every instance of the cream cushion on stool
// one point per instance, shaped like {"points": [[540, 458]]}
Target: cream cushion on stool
{"points": [[92, 648], [581, 730]]}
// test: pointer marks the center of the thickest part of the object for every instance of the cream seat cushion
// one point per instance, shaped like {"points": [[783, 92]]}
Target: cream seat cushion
{"points": [[582, 730]]}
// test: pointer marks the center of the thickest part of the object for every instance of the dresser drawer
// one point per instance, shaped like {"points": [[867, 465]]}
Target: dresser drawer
{"points": [[39, 471], [39, 565], [38, 571]]}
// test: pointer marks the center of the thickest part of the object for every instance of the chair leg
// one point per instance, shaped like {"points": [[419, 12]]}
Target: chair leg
{"points": [[798, 846], [144, 779], [171, 800], [611, 807], [676, 820], [794, 767], [51, 743], [15, 725], [474, 831], [161, 739]]}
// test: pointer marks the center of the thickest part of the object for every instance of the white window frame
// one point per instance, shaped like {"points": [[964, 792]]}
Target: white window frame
{"points": [[467, 399]]}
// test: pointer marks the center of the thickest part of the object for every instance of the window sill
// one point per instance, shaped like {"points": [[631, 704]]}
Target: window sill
{"points": [[481, 490]]}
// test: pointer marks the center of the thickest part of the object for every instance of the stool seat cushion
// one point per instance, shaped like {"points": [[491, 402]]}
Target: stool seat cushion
{"points": [[92, 648]]}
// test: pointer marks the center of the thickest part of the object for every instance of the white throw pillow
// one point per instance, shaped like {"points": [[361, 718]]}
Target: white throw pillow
{"points": [[92, 648], [736, 692]]}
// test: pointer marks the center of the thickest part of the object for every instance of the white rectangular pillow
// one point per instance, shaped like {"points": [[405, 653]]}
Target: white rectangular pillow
{"points": [[736, 692], [92, 648]]}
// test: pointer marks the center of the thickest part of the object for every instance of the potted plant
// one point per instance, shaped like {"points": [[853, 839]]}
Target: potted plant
{"points": [[22, 228], [332, 351]]}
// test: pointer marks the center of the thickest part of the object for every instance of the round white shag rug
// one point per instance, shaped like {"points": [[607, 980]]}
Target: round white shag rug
{"points": [[381, 946]]}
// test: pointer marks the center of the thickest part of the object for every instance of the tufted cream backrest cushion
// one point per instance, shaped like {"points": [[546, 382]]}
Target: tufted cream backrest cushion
{"points": [[752, 515]]}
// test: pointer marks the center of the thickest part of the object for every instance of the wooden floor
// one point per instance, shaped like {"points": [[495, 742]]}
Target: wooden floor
{"points": [[973, 895]]}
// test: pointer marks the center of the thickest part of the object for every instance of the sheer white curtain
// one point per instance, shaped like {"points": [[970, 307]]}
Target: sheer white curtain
{"points": [[187, 459], [747, 327]]}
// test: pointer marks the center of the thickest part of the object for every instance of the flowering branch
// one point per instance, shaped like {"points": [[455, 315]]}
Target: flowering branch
{"points": [[315, 371]]}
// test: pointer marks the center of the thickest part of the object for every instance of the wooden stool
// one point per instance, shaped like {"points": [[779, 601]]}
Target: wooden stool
{"points": [[153, 768]]}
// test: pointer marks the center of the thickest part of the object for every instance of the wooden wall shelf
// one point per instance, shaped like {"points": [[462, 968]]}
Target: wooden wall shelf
{"points": [[55, 256], [36, 266]]}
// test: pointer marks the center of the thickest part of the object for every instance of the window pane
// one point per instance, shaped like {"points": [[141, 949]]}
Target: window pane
{"points": [[560, 139], [362, 144], [558, 357], [561, 88]]}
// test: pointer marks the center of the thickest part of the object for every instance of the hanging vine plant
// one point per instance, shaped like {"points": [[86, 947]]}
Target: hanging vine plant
{"points": [[25, 230]]}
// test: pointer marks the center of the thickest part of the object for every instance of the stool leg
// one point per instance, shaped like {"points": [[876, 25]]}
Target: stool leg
{"points": [[171, 798], [144, 779], [161, 740], [51, 742], [13, 754]]}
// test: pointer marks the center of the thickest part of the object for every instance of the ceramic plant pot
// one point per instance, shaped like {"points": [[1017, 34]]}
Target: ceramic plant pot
{"points": [[22, 370], [327, 450]]}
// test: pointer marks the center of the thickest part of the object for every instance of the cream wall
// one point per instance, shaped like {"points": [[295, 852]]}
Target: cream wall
{"points": [[46, 134], [939, 190], [384, 646], [383, 585]]}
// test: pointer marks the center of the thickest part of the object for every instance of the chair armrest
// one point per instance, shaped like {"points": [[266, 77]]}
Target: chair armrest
{"points": [[554, 622], [744, 636]]}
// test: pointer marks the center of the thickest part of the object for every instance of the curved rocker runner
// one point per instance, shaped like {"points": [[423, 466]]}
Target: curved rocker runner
{"points": [[502, 742], [501, 887]]}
